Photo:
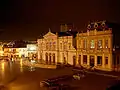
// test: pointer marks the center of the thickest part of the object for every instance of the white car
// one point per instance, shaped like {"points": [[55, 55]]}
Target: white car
{"points": [[78, 76]]}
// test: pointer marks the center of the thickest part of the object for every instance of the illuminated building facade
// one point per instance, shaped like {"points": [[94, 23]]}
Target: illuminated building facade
{"points": [[15, 49], [1, 49], [31, 50], [58, 47], [95, 47], [15, 52]]}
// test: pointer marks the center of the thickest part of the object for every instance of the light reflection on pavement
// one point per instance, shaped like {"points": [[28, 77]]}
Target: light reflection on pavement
{"points": [[15, 76]]}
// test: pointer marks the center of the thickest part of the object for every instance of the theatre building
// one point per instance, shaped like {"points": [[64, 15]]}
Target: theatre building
{"points": [[98, 46], [58, 47]]}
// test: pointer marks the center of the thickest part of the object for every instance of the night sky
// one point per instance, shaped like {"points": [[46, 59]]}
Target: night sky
{"points": [[27, 19]]}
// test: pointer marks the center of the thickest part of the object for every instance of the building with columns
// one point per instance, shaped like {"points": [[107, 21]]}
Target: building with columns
{"points": [[95, 47], [58, 47]]}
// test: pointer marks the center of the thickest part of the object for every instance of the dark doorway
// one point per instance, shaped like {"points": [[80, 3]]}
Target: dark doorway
{"points": [[64, 62], [53, 58], [79, 60], [50, 58], [46, 58], [92, 61], [74, 60]]}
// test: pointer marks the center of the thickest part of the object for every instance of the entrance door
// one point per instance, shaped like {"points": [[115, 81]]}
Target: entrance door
{"points": [[92, 61], [79, 60], [74, 60], [53, 58], [46, 58], [50, 58]]}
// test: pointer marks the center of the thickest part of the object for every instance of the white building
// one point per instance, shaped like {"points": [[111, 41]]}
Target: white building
{"points": [[31, 50], [58, 47]]}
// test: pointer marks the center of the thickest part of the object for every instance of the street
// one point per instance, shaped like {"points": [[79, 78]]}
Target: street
{"points": [[15, 76]]}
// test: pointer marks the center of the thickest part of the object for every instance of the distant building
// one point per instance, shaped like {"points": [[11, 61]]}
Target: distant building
{"points": [[96, 46], [58, 47], [32, 51], [15, 49], [1, 49]]}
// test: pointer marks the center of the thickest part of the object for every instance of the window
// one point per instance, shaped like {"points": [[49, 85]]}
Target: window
{"points": [[84, 44], [54, 46], [64, 46], [14, 50], [84, 59], [106, 60], [99, 44], [106, 43], [92, 44], [99, 60]]}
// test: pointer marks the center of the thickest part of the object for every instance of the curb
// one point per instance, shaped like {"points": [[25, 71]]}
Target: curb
{"points": [[99, 73]]}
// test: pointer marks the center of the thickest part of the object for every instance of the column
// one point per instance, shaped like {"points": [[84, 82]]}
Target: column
{"points": [[95, 60], [110, 61], [103, 60], [77, 57], [81, 59]]}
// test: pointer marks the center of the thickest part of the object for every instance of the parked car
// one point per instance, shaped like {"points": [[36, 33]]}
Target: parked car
{"points": [[53, 81], [78, 76], [48, 84]]}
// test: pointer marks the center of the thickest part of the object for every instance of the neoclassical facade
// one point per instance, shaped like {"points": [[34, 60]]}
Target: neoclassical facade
{"points": [[56, 48], [95, 47], [98, 47]]}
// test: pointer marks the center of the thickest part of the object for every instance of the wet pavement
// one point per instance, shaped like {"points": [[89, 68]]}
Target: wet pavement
{"points": [[16, 76]]}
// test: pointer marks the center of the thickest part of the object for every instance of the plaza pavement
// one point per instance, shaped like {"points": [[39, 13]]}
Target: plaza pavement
{"points": [[98, 72]]}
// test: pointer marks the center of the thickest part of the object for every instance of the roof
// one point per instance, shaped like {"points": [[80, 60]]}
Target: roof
{"points": [[67, 33]]}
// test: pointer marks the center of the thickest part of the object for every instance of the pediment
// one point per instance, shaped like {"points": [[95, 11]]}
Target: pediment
{"points": [[50, 35]]}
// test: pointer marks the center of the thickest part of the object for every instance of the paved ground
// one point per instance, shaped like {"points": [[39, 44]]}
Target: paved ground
{"points": [[15, 76]]}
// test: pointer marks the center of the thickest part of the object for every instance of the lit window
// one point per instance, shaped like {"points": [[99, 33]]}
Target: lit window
{"points": [[92, 44], [99, 44], [106, 43]]}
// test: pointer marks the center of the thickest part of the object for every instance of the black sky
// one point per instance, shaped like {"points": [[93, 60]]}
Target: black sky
{"points": [[27, 19]]}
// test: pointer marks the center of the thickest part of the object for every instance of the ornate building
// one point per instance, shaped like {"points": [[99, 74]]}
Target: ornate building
{"points": [[58, 47], [95, 47]]}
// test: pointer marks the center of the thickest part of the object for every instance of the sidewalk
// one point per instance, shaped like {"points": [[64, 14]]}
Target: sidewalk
{"points": [[27, 63], [105, 73]]}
